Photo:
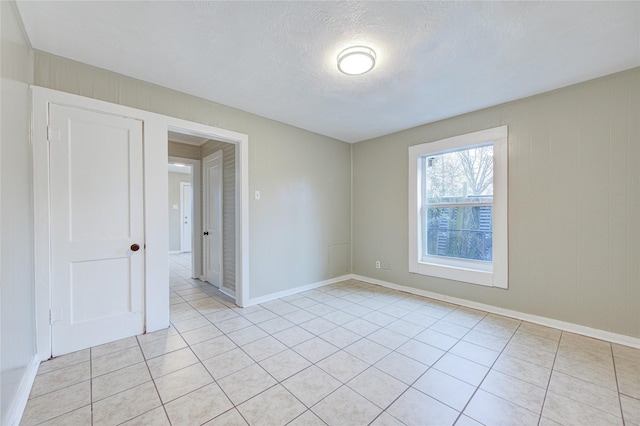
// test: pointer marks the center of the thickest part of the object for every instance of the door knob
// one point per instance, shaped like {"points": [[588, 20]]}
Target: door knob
{"points": [[206, 233], [135, 247]]}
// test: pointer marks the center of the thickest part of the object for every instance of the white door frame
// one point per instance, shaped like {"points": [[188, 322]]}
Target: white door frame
{"points": [[156, 217], [196, 217]]}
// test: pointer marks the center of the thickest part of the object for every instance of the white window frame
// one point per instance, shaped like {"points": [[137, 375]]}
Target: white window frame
{"points": [[491, 274]]}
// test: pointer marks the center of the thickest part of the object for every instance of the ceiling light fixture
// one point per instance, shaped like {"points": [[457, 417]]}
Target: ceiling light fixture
{"points": [[356, 60], [179, 165]]}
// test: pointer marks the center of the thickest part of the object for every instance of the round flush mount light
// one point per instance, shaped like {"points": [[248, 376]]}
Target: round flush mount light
{"points": [[356, 60]]}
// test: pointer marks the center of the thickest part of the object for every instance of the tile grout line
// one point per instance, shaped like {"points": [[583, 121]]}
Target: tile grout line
{"points": [[615, 373], [576, 377], [384, 410], [339, 349], [448, 351], [313, 363], [201, 362], [488, 371], [363, 337], [553, 364], [154, 385]]}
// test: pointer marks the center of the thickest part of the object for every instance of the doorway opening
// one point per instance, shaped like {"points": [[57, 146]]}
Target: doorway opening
{"points": [[215, 219], [180, 207], [184, 189]]}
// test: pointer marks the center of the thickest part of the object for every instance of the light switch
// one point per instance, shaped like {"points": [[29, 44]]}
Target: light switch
{"points": [[175, 207]]}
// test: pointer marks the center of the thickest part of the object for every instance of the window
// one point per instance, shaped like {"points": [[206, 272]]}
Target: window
{"points": [[458, 208]]}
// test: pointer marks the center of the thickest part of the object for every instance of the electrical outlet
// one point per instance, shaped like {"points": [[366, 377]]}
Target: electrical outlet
{"points": [[377, 264]]}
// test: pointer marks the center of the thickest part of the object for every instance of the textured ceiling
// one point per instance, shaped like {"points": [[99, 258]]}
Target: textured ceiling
{"points": [[278, 59]]}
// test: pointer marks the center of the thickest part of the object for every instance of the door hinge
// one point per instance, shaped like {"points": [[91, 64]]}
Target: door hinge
{"points": [[53, 134]]}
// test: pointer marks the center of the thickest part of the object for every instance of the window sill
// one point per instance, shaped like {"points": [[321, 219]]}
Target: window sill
{"points": [[455, 273]]}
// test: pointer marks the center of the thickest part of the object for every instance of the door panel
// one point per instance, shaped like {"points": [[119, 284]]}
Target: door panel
{"points": [[99, 176], [213, 218], [96, 217], [92, 280]]}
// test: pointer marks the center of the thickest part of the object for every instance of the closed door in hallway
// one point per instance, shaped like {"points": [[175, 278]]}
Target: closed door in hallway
{"points": [[212, 224]]}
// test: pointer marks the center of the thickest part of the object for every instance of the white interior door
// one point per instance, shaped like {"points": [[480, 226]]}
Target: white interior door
{"points": [[97, 235], [212, 223], [185, 217]]}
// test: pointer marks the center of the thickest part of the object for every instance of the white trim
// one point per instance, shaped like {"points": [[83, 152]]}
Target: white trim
{"points": [[472, 138], [41, 218], [296, 290], [155, 142], [196, 224], [174, 252], [242, 222], [536, 319], [17, 407]]}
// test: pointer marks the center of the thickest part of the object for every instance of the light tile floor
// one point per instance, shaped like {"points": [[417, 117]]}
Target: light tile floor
{"points": [[345, 354]]}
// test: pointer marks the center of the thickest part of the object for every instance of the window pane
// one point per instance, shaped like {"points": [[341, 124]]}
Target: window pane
{"points": [[457, 202], [459, 232], [460, 176]]}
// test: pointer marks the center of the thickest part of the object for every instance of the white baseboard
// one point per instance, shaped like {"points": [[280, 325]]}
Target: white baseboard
{"points": [[16, 409], [296, 290], [549, 322]]}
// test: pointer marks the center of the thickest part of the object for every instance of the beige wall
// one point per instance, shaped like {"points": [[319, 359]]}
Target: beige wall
{"points": [[574, 204], [228, 208], [174, 214], [304, 177], [16, 211]]}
